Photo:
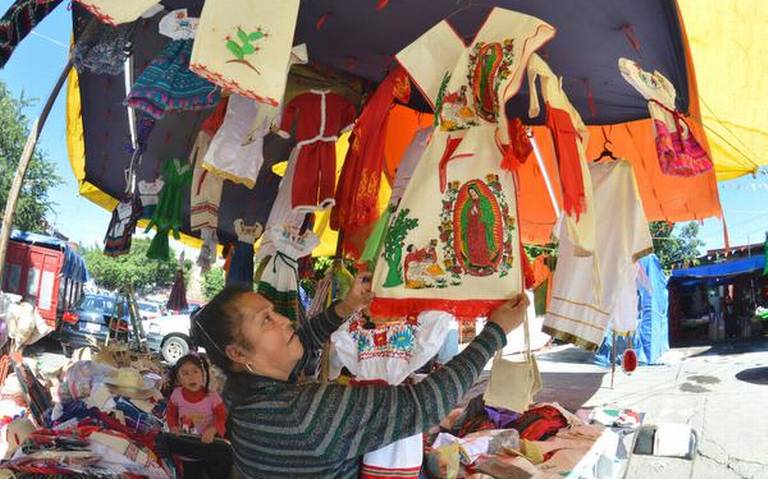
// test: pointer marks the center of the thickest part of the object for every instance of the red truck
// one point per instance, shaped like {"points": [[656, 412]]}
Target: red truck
{"points": [[45, 271]]}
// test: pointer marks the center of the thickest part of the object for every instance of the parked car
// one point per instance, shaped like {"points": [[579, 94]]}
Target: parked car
{"points": [[149, 310], [88, 323], [170, 335]]}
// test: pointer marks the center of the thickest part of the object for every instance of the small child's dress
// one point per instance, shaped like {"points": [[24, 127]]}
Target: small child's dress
{"points": [[391, 353], [280, 280], [168, 84], [241, 265], [122, 226], [167, 216], [320, 117], [149, 191], [680, 154]]}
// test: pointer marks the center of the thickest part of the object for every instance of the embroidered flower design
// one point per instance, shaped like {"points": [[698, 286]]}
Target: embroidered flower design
{"points": [[244, 46], [402, 339]]}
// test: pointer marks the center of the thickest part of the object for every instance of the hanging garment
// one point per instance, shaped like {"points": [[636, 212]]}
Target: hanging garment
{"points": [[245, 47], [177, 300], [358, 192], [281, 215], [149, 191], [280, 280], [101, 49], [205, 196], [241, 266], [126, 214], [570, 137], [391, 353], [167, 217], [167, 84], [18, 21], [680, 154], [207, 256], [453, 244], [236, 151], [115, 12], [591, 292], [320, 117]]}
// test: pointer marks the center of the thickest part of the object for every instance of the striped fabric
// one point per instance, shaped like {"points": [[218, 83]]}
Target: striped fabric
{"points": [[284, 429]]}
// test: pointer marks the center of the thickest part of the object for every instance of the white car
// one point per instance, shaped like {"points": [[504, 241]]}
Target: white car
{"points": [[169, 335], [149, 310]]}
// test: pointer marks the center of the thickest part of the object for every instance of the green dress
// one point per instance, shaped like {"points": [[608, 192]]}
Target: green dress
{"points": [[168, 214]]}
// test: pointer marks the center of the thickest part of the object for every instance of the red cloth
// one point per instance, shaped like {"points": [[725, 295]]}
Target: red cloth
{"points": [[360, 180], [212, 124], [564, 135], [320, 117], [219, 412], [519, 148]]}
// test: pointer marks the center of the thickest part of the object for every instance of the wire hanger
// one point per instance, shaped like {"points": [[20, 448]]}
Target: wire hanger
{"points": [[607, 152]]}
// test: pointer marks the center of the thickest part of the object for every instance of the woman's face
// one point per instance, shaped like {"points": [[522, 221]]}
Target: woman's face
{"points": [[268, 342], [473, 193]]}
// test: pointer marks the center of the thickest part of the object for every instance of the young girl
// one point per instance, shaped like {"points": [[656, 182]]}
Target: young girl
{"points": [[193, 409]]}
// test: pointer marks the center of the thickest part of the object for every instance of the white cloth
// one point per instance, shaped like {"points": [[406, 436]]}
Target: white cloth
{"points": [[582, 307], [236, 151], [205, 193], [281, 273], [391, 352], [248, 233], [408, 163], [178, 25], [115, 12], [149, 191], [282, 214], [434, 258], [207, 256]]}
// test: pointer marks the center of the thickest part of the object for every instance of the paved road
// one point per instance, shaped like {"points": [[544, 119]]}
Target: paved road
{"points": [[722, 391]]}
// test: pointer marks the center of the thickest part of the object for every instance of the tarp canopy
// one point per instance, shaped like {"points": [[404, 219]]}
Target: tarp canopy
{"points": [[651, 339], [356, 45], [726, 39], [74, 266], [732, 267]]}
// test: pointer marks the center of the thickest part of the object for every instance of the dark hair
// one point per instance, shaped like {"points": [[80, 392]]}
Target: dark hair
{"points": [[217, 325], [195, 359]]}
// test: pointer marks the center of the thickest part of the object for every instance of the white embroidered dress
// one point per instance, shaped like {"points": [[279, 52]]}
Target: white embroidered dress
{"points": [[453, 244]]}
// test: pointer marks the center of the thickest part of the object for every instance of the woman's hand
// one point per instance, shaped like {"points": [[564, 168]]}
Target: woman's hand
{"points": [[208, 435], [511, 314], [359, 296]]}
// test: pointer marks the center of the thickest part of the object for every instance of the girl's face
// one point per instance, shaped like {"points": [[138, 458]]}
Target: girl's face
{"points": [[190, 376]]}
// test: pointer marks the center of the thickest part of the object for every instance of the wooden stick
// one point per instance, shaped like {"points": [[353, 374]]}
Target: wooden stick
{"points": [[613, 359], [26, 157]]}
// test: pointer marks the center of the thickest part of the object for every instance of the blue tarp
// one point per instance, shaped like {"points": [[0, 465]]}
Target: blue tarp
{"points": [[74, 267], [651, 339], [733, 267]]}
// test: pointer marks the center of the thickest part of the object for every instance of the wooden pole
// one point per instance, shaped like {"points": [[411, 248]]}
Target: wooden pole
{"points": [[21, 169], [613, 359]]}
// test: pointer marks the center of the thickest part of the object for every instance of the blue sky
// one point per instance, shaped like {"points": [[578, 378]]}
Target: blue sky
{"points": [[37, 62]]}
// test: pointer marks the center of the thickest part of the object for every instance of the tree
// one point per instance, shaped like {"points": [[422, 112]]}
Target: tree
{"points": [[34, 203], [393, 246], [133, 268], [213, 282], [674, 247]]}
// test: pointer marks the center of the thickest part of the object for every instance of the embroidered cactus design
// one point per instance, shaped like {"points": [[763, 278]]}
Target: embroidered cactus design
{"points": [[393, 246], [244, 46]]}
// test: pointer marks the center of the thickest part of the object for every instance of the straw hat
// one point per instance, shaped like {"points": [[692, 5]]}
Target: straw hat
{"points": [[129, 382]]}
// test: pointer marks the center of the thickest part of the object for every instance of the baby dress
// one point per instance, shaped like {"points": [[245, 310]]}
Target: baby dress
{"points": [[205, 197], [167, 217], [126, 214], [391, 353], [680, 154], [280, 280], [149, 191], [168, 84], [241, 264]]}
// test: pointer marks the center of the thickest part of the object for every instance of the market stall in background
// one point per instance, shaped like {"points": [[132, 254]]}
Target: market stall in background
{"points": [[458, 151]]}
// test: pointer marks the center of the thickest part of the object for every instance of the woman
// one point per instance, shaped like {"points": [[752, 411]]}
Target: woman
{"points": [[279, 428]]}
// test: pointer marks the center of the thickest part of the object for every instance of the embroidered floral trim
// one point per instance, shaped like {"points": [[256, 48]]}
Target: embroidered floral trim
{"points": [[231, 85], [389, 341]]}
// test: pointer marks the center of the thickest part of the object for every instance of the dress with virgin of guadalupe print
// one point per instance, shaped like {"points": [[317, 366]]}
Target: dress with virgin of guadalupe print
{"points": [[453, 242]]}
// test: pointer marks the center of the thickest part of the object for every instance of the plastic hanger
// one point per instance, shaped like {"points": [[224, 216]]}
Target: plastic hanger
{"points": [[607, 152]]}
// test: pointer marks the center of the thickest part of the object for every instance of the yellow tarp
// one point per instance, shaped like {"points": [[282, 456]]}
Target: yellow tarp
{"points": [[727, 40]]}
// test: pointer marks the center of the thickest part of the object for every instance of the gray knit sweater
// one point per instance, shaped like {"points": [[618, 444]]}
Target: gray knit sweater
{"points": [[281, 429]]}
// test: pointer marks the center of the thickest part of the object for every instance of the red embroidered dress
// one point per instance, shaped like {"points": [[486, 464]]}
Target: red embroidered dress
{"points": [[320, 117], [460, 202]]}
